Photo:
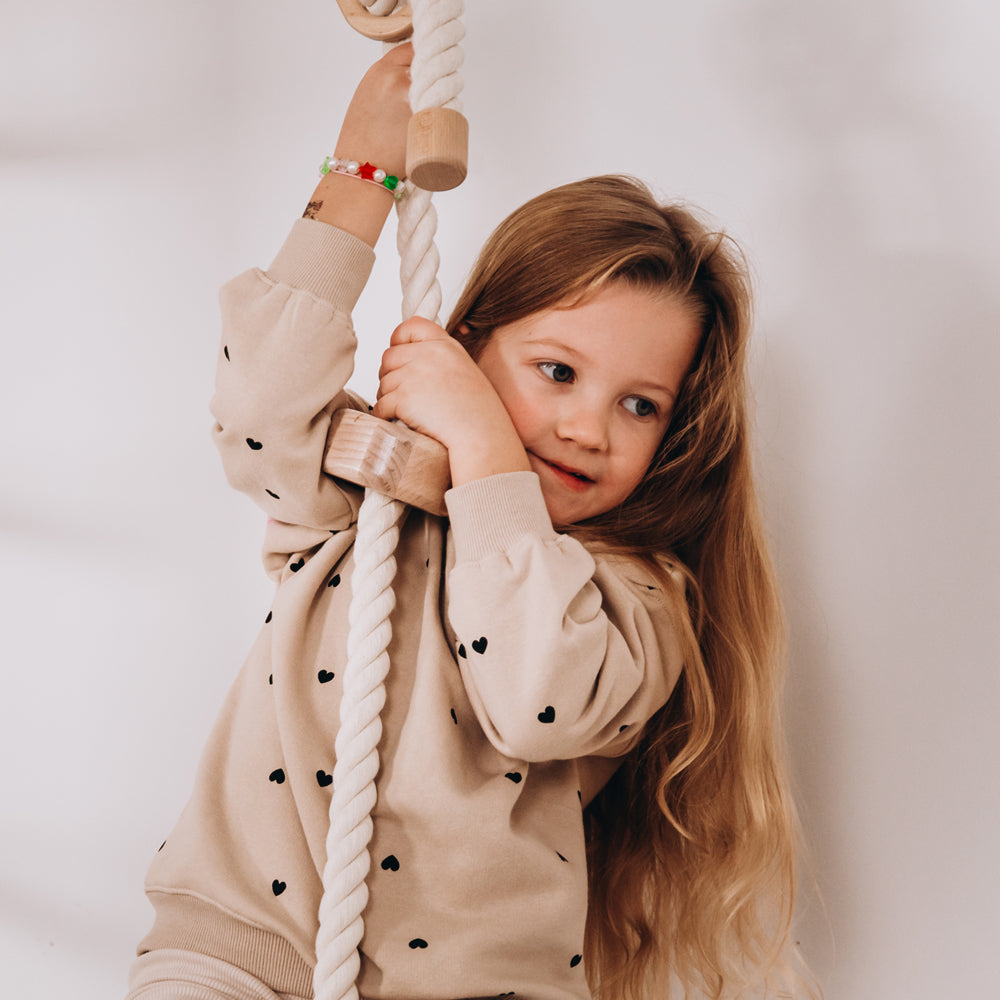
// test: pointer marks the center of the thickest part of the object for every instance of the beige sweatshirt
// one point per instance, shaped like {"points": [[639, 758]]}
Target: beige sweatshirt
{"points": [[522, 666]]}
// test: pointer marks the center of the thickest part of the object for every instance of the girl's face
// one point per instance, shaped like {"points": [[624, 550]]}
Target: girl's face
{"points": [[590, 390]]}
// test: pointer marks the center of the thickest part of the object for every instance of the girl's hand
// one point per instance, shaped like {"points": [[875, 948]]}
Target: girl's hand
{"points": [[428, 381], [374, 130], [375, 124]]}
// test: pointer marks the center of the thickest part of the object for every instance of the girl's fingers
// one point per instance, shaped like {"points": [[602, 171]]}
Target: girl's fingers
{"points": [[430, 351], [388, 380], [416, 329], [388, 399], [382, 409], [392, 360], [399, 55]]}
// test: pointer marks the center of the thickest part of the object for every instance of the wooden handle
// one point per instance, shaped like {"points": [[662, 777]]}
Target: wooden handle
{"points": [[390, 458], [437, 141], [437, 149], [393, 27]]}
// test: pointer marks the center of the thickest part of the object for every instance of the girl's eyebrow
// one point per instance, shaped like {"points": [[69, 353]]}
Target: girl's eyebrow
{"points": [[558, 345], [656, 387], [575, 355]]}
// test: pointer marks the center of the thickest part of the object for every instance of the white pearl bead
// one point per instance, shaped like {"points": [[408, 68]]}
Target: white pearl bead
{"points": [[352, 167], [379, 175]]}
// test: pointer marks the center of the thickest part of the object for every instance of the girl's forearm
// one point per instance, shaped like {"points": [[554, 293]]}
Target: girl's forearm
{"points": [[351, 204]]}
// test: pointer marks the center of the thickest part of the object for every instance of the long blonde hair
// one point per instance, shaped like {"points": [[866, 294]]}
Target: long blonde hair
{"points": [[692, 843]]}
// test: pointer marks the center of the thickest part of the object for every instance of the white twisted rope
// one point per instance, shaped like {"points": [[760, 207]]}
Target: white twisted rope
{"points": [[435, 82], [348, 862], [437, 33], [437, 55]]}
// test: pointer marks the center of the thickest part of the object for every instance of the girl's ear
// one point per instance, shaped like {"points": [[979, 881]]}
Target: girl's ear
{"points": [[472, 340]]}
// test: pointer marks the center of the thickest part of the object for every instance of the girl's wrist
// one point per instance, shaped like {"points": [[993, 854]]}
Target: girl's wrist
{"points": [[490, 453], [345, 202], [365, 171]]}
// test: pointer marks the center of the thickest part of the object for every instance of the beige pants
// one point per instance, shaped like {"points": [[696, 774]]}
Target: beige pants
{"points": [[171, 974]]}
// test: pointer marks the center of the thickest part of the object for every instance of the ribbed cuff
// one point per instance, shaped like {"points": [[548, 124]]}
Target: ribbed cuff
{"points": [[489, 515], [324, 260], [188, 923]]}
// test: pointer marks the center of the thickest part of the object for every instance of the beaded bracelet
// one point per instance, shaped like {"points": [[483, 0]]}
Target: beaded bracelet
{"points": [[366, 172]]}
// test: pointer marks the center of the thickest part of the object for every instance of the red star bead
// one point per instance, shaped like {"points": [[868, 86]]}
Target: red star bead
{"points": [[367, 171]]}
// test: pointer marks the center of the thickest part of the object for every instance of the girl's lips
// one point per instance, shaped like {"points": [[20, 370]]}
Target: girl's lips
{"points": [[575, 481]]}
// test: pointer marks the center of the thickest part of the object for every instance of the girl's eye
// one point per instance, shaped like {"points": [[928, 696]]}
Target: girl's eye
{"points": [[556, 371], [640, 407]]}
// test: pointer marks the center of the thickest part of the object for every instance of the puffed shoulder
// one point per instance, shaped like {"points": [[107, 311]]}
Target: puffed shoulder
{"points": [[639, 577], [565, 651]]}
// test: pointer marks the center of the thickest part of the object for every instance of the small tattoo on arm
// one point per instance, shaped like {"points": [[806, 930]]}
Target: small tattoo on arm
{"points": [[312, 210]]}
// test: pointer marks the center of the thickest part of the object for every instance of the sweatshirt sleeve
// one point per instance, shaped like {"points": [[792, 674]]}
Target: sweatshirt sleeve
{"points": [[287, 351], [563, 653]]}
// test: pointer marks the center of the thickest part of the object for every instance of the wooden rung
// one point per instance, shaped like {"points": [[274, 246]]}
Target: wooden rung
{"points": [[437, 149], [390, 458]]}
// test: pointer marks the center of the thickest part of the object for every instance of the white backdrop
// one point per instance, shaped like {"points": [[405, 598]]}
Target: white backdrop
{"points": [[149, 151]]}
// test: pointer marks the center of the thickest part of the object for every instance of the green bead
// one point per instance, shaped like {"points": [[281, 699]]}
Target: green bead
{"points": [[390, 182]]}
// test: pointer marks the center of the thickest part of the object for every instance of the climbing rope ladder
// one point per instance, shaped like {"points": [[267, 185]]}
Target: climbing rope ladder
{"points": [[435, 161]]}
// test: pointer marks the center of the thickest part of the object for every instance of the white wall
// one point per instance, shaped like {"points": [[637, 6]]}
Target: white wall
{"points": [[150, 151]]}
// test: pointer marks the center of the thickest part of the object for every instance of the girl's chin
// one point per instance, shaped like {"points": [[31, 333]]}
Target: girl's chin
{"points": [[569, 500], [563, 513]]}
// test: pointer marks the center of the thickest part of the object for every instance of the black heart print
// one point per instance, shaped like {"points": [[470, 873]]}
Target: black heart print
{"points": [[323, 779], [277, 776], [278, 887], [325, 676], [254, 445], [390, 864], [479, 645], [549, 715], [418, 943]]}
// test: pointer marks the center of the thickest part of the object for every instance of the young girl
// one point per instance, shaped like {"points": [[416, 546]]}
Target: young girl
{"points": [[581, 790]]}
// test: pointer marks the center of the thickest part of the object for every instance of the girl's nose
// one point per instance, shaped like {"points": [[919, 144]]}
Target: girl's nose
{"points": [[585, 426]]}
